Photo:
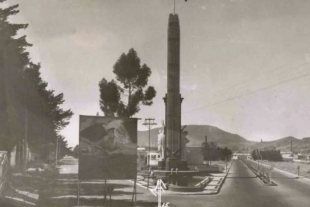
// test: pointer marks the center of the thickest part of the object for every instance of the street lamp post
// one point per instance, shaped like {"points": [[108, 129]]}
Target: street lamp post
{"points": [[226, 163], [298, 168]]}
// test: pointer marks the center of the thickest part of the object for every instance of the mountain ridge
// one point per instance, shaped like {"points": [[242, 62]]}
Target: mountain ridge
{"points": [[196, 136]]}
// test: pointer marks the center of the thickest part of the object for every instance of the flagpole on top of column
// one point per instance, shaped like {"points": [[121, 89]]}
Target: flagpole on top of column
{"points": [[173, 6]]}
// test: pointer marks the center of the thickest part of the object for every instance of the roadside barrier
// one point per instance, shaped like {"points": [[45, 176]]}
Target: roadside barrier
{"points": [[263, 171]]}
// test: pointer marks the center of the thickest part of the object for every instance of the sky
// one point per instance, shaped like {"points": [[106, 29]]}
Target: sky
{"points": [[245, 64]]}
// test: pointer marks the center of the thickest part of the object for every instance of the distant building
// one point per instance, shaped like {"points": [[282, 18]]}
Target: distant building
{"points": [[15, 156], [239, 155], [145, 158], [194, 156], [301, 156], [287, 156]]}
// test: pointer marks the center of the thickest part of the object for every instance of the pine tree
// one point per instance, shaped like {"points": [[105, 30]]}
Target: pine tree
{"points": [[28, 110], [125, 95], [48, 116], [13, 58]]}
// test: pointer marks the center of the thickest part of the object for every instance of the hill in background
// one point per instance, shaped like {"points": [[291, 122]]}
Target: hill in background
{"points": [[197, 133], [196, 136], [284, 144]]}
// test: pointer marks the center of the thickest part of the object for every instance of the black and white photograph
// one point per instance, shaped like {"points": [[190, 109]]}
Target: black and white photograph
{"points": [[154, 103]]}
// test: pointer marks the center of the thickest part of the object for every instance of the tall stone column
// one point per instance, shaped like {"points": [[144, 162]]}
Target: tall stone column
{"points": [[173, 97]]}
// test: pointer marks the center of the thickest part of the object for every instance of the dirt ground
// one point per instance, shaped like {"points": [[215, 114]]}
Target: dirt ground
{"points": [[292, 167]]}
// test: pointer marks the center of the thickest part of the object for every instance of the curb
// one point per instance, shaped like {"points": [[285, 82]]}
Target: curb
{"points": [[204, 192], [211, 192], [179, 193], [19, 201]]}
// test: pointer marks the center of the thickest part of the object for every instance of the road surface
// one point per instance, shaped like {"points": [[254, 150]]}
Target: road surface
{"points": [[242, 188], [68, 165]]}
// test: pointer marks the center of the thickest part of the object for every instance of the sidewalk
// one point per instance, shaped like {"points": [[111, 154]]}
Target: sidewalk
{"points": [[21, 197]]}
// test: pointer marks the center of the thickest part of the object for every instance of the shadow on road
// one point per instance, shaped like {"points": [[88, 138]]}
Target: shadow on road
{"points": [[245, 177], [284, 178]]}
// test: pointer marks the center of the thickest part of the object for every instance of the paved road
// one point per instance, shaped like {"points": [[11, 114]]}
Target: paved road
{"points": [[68, 165], [242, 188]]}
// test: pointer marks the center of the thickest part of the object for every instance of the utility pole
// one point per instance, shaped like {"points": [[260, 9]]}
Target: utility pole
{"points": [[25, 143], [298, 167], [226, 163], [149, 122], [56, 150], [292, 146], [208, 150]]}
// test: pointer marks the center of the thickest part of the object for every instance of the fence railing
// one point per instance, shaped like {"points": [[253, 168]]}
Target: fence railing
{"points": [[261, 169]]}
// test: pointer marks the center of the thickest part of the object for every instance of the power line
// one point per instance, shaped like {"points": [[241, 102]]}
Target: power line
{"points": [[246, 82], [252, 92]]}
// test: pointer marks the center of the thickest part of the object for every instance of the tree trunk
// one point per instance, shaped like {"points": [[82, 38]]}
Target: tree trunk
{"points": [[9, 157]]}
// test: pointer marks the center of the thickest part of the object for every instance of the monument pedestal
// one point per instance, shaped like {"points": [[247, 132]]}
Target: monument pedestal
{"points": [[177, 178], [161, 165], [175, 164], [173, 170]]}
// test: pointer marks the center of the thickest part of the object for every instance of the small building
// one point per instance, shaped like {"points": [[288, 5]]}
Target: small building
{"points": [[15, 156], [287, 156], [241, 155], [301, 156], [146, 158], [153, 158]]}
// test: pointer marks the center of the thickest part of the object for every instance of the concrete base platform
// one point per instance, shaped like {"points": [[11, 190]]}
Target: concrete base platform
{"points": [[209, 186]]}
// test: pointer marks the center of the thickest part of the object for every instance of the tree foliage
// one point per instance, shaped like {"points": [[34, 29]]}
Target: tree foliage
{"points": [[13, 58], [125, 95], [270, 155], [211, 151], [28, 109]]}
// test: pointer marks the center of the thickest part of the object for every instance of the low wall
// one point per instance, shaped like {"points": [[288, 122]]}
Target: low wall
{"points": [[205, 168]]}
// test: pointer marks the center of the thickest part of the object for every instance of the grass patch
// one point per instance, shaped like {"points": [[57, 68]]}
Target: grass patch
{"points": [[291, 167]]}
